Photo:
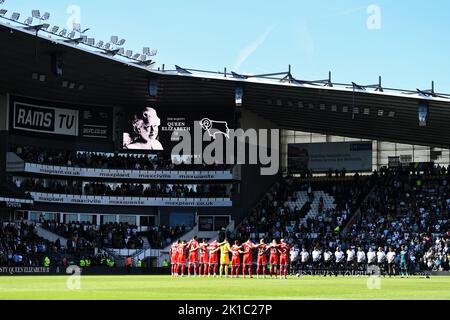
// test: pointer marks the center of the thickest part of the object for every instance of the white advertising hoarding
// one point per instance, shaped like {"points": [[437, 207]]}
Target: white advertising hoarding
{"points": [[125, 174], [131, 201]]}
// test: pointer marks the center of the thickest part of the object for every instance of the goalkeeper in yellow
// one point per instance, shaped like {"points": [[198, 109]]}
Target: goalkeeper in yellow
{"points": [[225, 250]]}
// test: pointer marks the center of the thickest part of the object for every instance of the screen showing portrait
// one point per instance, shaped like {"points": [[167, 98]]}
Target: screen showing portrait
{"points": [[143, 131], [158, 128]]}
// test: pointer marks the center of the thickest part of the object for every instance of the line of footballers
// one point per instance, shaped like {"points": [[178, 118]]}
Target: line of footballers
{"points": [[203, 258], [353, 260]]}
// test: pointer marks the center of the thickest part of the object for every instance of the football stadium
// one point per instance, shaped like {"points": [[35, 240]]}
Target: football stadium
{"points": [[124, 179]]}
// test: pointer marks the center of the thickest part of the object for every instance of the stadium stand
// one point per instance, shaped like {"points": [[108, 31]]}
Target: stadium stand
{"points": [[389, 207], [410, 210], [397, 208], [306, 212]]}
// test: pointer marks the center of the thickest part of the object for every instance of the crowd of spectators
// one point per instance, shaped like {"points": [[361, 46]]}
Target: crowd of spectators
{"points": [[124, 189], [21, 246], [410, 210], [274, 218], [66, 158], [85, 234], [18, 243], [113, 235], [398, 207], [163, 236]]}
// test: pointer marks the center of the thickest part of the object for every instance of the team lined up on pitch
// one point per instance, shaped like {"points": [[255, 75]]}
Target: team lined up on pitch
{"points": [[204, 258]]}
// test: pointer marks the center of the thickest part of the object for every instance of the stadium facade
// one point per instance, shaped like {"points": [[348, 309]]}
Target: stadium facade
{"points": [[58, 94]]}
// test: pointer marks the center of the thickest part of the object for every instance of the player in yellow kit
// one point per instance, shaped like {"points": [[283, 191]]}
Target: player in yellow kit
{"points": [[224, 257]]}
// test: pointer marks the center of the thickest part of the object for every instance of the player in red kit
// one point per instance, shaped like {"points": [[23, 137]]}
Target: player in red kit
{"points": [[247, 249], [262, 259], [213, 257], [174, 258], [274, 257], [235, 259], [203, 258], [193, 248], [182, 250], [284, 258]]}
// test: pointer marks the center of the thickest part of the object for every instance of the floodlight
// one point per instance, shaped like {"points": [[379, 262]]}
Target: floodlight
{"points": [[54, 29], [121, 51], [121, 42], [46, 16], [107, 46], [42, 78], [65, 84], [143, 57], [114, 39], [45, 26], [146, 50], [3, 12], [129, 53], [2, 1], [72, 85], [91, 41], [71, 35], [100, 44], [76, 27], [136, 56], [29, 21], [36, 14], [15, 16], [34, 76], [84, 39]]}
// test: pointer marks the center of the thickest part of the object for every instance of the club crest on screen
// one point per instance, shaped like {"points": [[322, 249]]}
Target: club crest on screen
{"points": [[215, 127]]}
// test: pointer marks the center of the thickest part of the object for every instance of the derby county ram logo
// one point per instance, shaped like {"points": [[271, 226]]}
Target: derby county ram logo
{"points": [[215, 127]]}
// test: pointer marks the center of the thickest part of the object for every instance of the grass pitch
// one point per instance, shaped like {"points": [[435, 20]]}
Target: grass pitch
{"points": [[168, 288]]}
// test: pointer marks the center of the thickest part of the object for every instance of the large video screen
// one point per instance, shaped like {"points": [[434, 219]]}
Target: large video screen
{"points": [[158, 128], [322, 157]]}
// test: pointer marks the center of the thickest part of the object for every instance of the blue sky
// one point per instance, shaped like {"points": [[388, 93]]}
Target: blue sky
{"points": [[410, 49]]}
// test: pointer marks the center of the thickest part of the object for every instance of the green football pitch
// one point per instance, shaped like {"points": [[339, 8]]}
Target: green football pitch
{"points": [[168, 288]]}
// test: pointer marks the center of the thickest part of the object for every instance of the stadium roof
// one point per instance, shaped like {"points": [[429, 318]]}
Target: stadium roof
{"points": [[312, 106]]}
